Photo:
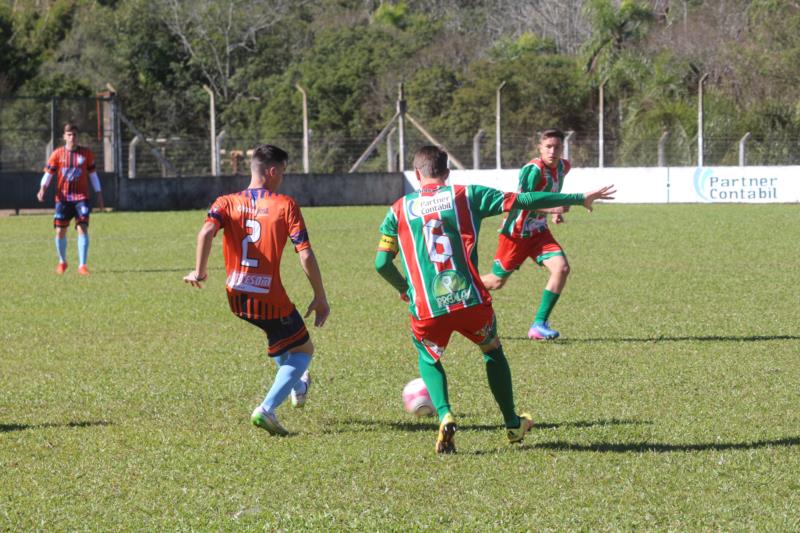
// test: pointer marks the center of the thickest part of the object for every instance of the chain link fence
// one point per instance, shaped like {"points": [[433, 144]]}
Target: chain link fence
{"points": [[30, 126]]}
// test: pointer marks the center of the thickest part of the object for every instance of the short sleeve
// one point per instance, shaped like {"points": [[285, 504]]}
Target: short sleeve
{"points": [[529, 177], [389, 225], [218, 212], [297, 227], [52, 164], [90, 164]]}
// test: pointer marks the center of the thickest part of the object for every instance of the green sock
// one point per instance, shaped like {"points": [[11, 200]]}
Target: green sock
{"points": [[549, 300], [435, 379], [499, 375]]}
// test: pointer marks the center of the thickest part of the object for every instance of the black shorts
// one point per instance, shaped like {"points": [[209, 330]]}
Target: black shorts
{"points": [[283, 333]]}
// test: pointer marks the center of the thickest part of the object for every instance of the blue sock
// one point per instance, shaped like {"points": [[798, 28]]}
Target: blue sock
{"points": [[61, 248], [83, 248], [288, 373], [299, 387]]}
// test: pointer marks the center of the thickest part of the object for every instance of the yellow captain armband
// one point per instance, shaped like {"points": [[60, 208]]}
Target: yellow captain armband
{"points": [[388, 244]]}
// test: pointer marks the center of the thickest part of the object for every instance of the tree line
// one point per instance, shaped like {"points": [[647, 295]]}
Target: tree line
{"points": [[451, 55]]}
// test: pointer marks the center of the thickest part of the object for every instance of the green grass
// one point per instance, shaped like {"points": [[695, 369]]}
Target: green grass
{"points": [[670, 404]]}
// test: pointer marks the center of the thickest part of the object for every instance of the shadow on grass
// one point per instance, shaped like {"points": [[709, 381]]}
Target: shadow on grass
{"points": [[702, 338], [430, 425], [5, 428], [149, 270], [658, 447]]}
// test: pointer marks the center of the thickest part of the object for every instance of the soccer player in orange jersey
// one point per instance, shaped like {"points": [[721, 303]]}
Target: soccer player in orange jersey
{"points": [[74, 168], [256, 223]]}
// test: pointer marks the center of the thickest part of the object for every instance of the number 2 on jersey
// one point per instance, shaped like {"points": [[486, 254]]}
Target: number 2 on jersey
{"points": [[253, 237]]}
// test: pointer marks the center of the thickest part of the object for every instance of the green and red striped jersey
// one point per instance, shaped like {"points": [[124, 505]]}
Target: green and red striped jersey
{"points": [[534, 177], [437, 231]]}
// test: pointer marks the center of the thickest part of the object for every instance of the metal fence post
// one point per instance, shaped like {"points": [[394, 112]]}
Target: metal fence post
{"points": [[476, 149], [662, 154], [600, 129], [391, 157], [498, 143], [700, 119], [306, 162], [742, 149], [567, 140], [132, 157]]}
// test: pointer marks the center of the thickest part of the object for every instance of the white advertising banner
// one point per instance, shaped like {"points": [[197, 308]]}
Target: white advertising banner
{"points": [[658, 185], [735, 184]]}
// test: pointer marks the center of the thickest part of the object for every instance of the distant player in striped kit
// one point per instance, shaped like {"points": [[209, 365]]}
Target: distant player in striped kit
{"points": [[524, 233], [73, 166], [435, 230], [257, 222]]}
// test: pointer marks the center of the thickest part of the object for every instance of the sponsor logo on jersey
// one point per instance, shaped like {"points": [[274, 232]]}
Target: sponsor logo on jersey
{"points": [[434, 349], [535, 223], [257, 211], [242, 281], [71, 173], [450, 287], [426, 205]]}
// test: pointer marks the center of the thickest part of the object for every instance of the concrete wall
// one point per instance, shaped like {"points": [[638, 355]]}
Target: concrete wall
{"points": [[18, 190]]}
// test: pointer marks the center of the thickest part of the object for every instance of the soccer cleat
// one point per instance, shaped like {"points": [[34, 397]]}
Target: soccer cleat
{"points": [[517, 434], [61, 268], [542, 331], [447, 430], [268, 422], [299, 399], [83, 270]]}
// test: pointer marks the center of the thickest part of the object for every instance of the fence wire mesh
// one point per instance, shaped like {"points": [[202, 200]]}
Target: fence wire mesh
{"points": [[28, 126]]}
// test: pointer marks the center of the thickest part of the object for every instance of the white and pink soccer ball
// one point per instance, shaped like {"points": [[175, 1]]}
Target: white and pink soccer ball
{"points": [[416, 399]]}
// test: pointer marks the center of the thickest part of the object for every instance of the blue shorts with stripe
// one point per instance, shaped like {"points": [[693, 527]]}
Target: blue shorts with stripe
{"points": [[66, 211]]}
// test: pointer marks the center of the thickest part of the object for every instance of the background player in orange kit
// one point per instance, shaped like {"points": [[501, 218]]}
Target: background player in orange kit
{"points": [[73, 166], [257, 222]]}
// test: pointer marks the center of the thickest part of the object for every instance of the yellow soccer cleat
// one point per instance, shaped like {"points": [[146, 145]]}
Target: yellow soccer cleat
{"points": [[517, 434], [447, 430]]}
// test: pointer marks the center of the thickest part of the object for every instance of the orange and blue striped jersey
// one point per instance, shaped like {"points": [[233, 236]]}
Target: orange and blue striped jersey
{"points": [[257, 224], [72, 169]]}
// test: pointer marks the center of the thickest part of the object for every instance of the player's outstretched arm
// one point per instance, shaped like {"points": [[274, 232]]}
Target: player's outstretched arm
{"points": [[200, 272], [603, 193], [319, 305]]}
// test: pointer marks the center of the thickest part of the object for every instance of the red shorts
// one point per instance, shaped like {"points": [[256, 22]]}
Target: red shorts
{"points": [[477, 323], [513, 251]]}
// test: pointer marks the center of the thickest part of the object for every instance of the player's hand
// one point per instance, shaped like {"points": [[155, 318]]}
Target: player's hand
{"points": [[404, 297], [557, 218], [603, 193], [194, 279], [40, 195], [321, 311]]}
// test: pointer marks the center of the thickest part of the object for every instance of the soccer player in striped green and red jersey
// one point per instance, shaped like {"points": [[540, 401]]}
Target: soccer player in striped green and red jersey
{"points": [[257, 223], [74, 168], [435, 231], [524, 233]]}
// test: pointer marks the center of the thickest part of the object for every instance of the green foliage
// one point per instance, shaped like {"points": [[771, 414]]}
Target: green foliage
{"points": [[665, 406], [351, 55]]}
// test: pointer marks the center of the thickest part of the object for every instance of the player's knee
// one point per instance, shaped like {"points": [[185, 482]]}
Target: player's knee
{"points": [[565, 270], [490, 345]]}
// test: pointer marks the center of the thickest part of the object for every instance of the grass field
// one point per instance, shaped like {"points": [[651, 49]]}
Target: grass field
{"points": [[670, 404]]}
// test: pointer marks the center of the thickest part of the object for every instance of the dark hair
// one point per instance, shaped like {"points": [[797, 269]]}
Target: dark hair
{"points": [[71, 127], [552, 132], [431, 161], [266, 155]]}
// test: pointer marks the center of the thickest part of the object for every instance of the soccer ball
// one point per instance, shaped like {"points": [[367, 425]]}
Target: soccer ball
{"points": [[416, 399]]}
